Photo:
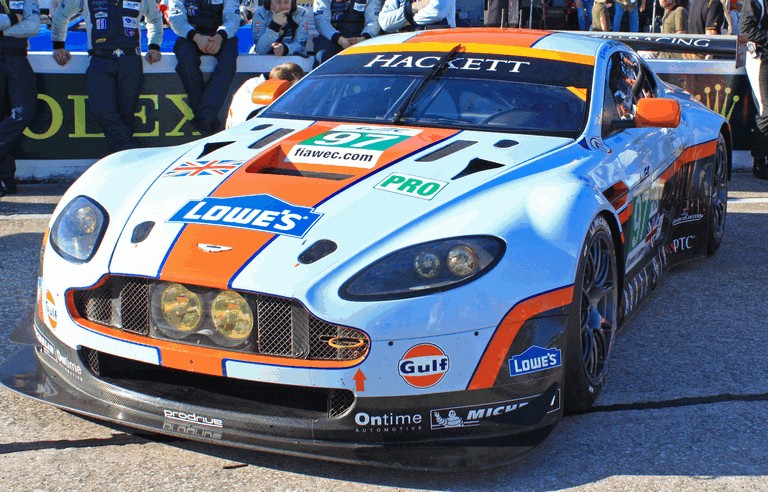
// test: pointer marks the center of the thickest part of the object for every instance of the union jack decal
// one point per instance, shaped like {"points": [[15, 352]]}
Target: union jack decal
{"points": [[203, 168]]}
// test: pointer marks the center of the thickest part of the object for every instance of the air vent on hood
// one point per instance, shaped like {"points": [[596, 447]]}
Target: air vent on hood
{"points": [[213, 146], [477, 165], [304, 174], [505, 144], [318, 250], [260, 127], [449, 149], [141, 231], [272, 137]]}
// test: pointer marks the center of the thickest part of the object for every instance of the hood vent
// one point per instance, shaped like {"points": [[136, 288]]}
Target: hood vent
{"points": [[304, 174], [258, 128], [272, 137], [320, 249], [212, 147], [477, 165], [449, 149], [505, 144]]}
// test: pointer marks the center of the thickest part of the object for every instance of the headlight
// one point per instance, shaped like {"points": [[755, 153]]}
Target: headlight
{"points": [[232, 316], [181, 308], [425, 268], [78, 230]]}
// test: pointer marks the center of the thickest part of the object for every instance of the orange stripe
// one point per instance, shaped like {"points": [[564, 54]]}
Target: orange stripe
{"points": [[506, 37], [624, 215], [204, 360], [690, 154], [479, 48], [187, 263], [505, 333]]}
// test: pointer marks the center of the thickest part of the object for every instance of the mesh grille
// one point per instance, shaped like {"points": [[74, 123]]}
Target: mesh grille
{"points": [[340, 402], [96, 304], [274, 325], [92, 360], [134, 304], [283, 327]]}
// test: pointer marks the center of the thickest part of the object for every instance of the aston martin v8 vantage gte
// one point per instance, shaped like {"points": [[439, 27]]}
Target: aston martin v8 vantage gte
{"points": [[417, 256]]}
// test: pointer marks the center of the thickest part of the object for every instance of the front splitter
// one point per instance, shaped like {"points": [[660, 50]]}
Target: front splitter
{"points": [[32, 372]]}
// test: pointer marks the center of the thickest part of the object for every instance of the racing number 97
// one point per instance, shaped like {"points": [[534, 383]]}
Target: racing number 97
{"points": [[361, 139]]}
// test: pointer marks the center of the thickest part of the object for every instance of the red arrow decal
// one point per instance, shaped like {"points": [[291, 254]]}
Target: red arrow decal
{"points": [[359, 378]]}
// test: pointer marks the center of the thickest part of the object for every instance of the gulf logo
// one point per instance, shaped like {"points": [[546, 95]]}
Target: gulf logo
{"points": [[423, 365], [50, 310]]}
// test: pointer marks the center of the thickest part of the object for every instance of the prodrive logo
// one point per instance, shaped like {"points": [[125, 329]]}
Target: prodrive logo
{"points": [[193, 418]]}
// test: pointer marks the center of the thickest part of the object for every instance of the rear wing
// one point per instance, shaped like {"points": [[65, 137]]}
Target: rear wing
{"points": [[733, 47]]}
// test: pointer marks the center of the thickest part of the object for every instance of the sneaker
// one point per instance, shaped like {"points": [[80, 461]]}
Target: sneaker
{"points": [[9, 187], [760, 168]]}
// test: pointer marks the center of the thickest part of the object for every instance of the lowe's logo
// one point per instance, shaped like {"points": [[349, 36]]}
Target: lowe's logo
{"points": [[414, 186], [256, 212], [534, 359]]}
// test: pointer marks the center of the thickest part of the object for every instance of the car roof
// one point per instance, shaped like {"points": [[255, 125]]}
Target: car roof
{"points": [[579, 45]]}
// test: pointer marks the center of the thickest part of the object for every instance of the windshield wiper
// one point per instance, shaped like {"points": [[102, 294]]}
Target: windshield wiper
{"points": [[435, 72]]}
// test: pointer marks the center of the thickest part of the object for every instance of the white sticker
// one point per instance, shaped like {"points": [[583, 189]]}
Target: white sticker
{"points": [[131, 22], [131, 5]]}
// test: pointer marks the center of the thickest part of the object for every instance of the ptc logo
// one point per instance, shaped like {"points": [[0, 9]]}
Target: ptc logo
{"points": [[423, 365], [414, 186]]}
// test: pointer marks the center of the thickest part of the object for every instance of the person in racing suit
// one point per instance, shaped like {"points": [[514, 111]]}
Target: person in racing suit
{"points": [[342, 23], [19, 21], [754, 25], [404, 15], [205, 27], [281, 28], [115, 71]]}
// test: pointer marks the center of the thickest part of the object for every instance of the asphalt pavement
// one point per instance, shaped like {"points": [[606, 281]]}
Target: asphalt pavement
{"points": [[684, 408]]}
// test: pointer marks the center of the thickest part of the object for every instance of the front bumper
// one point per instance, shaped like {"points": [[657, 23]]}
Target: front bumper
{"points": [[468, 429]]}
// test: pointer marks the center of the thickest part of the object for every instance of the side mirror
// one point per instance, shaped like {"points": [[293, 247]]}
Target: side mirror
{"points": [[269, 90], [657, 112]]}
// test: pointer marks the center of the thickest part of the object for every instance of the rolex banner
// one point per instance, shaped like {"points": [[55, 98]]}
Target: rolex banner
{"points": [[63, 129]]}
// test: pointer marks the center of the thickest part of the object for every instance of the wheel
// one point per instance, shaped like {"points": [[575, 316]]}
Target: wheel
{"points": [[591, 332], [719, 202]]}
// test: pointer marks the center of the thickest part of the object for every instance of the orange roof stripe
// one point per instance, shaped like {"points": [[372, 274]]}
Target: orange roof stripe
{"points": [[494, 35], [479, 48]]}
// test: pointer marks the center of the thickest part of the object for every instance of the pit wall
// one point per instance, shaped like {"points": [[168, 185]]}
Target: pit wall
{"points": [[63, 139]]}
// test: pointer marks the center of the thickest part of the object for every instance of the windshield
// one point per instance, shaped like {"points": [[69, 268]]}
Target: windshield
{"points": [[475, 92]]}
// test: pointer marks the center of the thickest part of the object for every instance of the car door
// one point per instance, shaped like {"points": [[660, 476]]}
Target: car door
{"points": [[640, 154]]}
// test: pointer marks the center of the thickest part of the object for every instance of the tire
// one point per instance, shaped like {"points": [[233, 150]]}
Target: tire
{"points": [[593, 322], [718, 207]]}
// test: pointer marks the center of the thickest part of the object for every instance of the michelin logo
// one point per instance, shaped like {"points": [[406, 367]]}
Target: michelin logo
{"points": [[255, 212], [534, 359]]}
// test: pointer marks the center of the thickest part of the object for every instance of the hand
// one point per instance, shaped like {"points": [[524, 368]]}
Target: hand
{"points": [[153, 56], [280, 18], [344, 43], [19, 17], [201, 42], [642, 6], [356, 39], [278, 49], [62, 56], [416, 6], [214, 45]]}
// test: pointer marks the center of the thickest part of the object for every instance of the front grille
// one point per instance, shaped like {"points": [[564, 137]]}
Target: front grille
{"points": [[283, 327], [228, 394]]}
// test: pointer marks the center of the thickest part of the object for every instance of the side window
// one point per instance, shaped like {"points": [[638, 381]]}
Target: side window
{"points": [[627, 82]]}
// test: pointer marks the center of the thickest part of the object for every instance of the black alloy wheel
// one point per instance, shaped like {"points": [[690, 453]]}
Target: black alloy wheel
{"points": [[719, 198], [590, 343]]}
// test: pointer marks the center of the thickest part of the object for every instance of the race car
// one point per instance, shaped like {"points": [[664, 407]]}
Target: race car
{"points": [[417, 256]]}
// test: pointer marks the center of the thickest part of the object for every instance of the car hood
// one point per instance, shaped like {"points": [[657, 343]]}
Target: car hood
{"points": [[239, 209]]}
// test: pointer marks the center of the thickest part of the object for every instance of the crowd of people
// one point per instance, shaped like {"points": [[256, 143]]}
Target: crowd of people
{"points": [[114, 76]]}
